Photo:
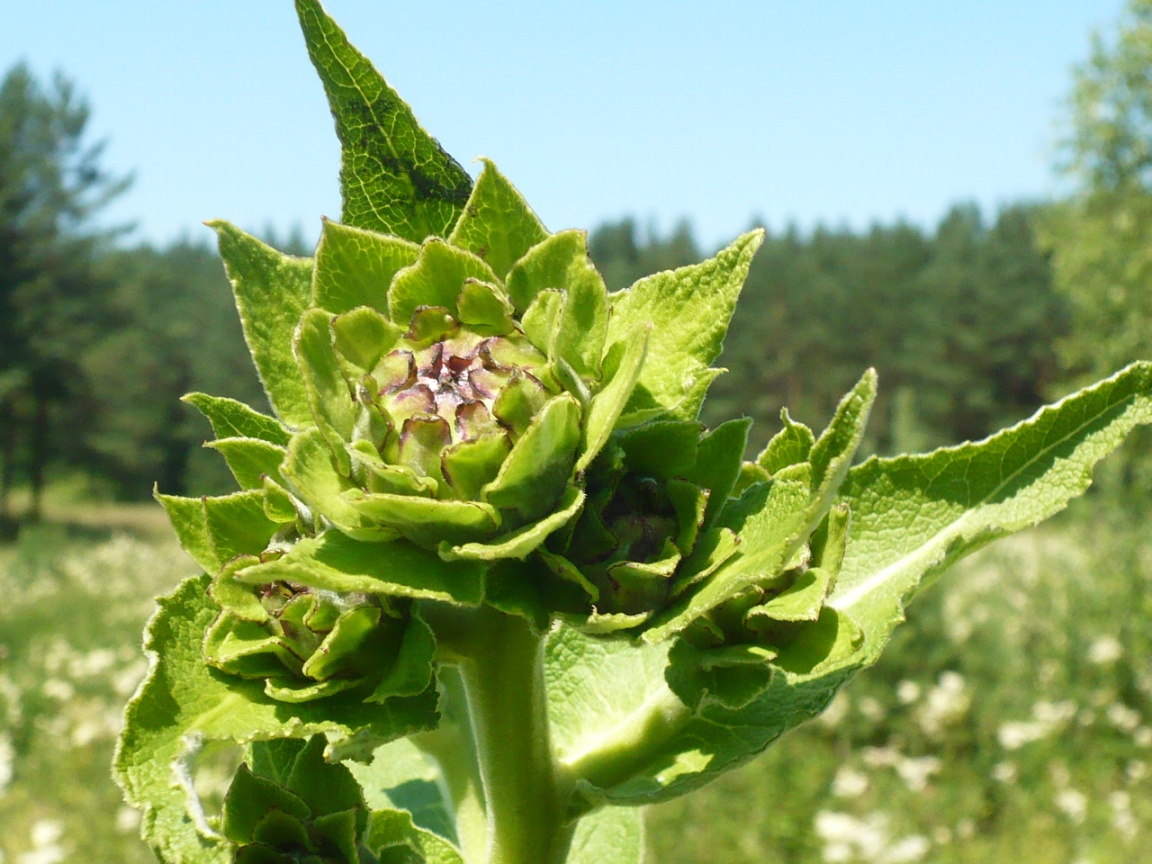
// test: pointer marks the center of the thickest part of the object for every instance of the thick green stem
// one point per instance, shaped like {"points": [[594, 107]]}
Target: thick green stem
{"points": [[501, 666]]}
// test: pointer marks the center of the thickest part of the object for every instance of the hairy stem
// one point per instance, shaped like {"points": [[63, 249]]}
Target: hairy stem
{"points": [[501, 666]]}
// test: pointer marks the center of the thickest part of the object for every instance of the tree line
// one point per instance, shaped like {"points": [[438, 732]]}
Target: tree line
{"points": [[971, 324]]}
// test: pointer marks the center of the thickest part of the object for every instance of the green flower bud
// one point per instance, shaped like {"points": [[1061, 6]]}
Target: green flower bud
{"points": [[316, 816], [646, 513], [307, 643]]}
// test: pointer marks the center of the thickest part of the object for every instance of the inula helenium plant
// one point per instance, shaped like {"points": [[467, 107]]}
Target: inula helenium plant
{"points": [[488, 585]]}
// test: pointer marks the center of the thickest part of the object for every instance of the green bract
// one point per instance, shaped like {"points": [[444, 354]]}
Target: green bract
{"points": [[485, 515]]}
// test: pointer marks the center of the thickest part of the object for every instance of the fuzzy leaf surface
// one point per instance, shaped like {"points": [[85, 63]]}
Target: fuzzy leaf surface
{"points": [[689, 309], [497, 224], [232, 419], [395, 178], [183, 703], [354, 267], [272, 291], [914, 516]]}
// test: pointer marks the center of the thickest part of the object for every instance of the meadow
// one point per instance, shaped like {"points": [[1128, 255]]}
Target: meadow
{"points": [[1011, 719]]}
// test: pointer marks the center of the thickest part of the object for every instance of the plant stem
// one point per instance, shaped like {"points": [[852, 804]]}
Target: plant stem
{"points": [[501, 666]]}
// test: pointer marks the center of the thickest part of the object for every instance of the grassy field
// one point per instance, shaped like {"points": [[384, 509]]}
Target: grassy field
{"points": [[1011, 719]]}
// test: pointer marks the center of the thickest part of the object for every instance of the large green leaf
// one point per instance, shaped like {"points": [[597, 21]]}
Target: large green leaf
{"points": [[394, 177], [184, 704], [689, 310], [913, 516], [272, 291]]}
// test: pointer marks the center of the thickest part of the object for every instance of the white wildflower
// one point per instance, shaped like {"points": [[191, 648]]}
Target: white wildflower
{"points": [[1136, 771], [871, 708], [1047, 717], [849, 783], [46, 848], [7, 759], [907, 850], [1123, 717], [1123, 819], [1004, 772], [1142, 737], [57, 688], [835, 711], [1014, 734], [127, 819], [1106, 649], [1072, 803], [945, 703], [91, 663], [916, 772], [1054, 713], [880, 757], [125, 681], [907, 692], [846, 837]]}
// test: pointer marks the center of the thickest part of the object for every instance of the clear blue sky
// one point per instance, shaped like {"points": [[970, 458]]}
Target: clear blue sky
{"points": [[798, 111]]}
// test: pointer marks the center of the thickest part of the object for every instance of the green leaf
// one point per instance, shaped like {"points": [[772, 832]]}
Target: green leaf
{"points": [[774, 520], [522, 541], [336, 562], [427, 521], [533, 476], [913, 516], [354, 267], [435, 280], [272, 291], [689, 310], [800, 601], [622, 369], [249, 799], [394, 177], [361, 336], [183, 704], [232, 419], [394, 837], [629, 739], [611, 834], [250, 459], [497, 224], [541, 320], [718, 462], [561, 263], [769, 520], [215, 530], [790, 446], [312, 472], [328, 394], [663, 448]]}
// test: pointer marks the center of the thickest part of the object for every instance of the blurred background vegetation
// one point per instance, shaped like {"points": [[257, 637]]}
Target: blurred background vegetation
{"points": [[1012, 717]]}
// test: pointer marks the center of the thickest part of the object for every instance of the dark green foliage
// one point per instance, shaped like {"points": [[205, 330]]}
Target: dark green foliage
{"points": [[51, 184]]}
